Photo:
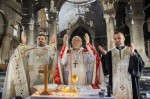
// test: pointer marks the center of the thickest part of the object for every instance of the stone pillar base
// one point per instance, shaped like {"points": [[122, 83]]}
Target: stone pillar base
{"points": [[146, 60], [147, 64]]}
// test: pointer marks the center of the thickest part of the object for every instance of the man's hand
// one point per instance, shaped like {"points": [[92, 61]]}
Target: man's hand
{"points": [[87, 39], [23, 38], [132, 48], [101, 49], [65, 39]]}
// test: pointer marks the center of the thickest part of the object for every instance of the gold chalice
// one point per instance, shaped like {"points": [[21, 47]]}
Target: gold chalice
{"points": [[74, 80]]}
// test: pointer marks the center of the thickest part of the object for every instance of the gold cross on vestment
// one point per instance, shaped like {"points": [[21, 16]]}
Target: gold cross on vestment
{"points": [[57, 79], [45, 72]]}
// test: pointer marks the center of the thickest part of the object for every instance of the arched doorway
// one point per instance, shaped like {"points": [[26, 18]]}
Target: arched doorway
{"points": [[80, 31]]}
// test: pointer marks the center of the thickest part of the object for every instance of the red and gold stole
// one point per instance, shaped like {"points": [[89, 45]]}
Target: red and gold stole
{"points": [[97, 77]]}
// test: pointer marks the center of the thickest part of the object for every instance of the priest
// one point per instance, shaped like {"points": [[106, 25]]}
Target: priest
{"points": [[24, 65], [79, 61], [124, 66]]}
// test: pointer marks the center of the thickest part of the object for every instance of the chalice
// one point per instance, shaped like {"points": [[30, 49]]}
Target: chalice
{"points": [[74, 80]]}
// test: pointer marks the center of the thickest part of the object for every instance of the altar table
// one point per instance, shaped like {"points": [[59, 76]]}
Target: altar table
{"points": [[69, 97], [85, 92]]}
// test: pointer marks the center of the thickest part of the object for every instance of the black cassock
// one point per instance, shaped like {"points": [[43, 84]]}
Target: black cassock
{"points": [[136, 64]]}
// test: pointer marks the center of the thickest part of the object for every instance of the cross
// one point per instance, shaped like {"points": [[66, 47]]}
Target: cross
{"points": [[122, 87], [46, 72], [21, 85], [18, 72], [57, 79], [75, 63], [120, 69]]}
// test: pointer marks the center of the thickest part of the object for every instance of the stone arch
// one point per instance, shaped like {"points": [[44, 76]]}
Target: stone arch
{"points": [[60, 3], [18, 27], [83, 27], [4, 32], [5, 19], [5, 26]]}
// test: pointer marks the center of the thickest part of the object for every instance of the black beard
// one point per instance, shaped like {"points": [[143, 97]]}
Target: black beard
{"points": [[41, 45]]}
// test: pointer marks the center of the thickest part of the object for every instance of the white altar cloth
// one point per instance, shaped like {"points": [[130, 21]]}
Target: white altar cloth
{"points": [[85, 92]]}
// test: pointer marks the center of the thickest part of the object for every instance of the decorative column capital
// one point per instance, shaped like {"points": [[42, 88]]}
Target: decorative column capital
{"points": [[109, 17]]}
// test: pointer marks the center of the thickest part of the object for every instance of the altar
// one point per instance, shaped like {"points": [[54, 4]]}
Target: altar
{"points": [[84, 92]]}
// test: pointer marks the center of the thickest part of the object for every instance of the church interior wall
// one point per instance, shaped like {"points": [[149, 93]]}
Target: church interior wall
{"points": [[9, 18]]}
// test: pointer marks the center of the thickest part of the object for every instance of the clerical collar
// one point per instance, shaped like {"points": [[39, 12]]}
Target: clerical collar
{"points": [[120, 48]]}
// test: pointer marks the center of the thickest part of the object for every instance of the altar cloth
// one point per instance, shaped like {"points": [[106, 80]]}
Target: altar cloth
{"points": [[84, 92]]}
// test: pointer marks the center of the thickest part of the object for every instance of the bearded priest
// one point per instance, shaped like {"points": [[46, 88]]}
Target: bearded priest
{"points": [[22, 72]]}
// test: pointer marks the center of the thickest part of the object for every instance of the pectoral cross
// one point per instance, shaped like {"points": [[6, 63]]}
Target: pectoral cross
{"points": [[75, 63], [46, 72]]}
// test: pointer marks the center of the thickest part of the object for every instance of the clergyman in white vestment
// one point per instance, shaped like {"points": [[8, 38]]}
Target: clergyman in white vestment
{"points": [[124, 66], [78, 61], [22, 72]]}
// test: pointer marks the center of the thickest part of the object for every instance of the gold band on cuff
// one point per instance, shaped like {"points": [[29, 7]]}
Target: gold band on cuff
{"points": [[52, 44], [22, 44]]}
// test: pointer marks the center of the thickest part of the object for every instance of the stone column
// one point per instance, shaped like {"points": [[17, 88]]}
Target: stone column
{"points": [[53, 22], [36, 25], [28, 21], [110, 30], [53, 25], [29, 31], [137, 35], [6, 45]]}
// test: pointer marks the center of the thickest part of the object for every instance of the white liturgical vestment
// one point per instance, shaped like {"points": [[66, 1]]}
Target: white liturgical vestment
{"points": [[22, 72], [78, 62], [122, 89]]}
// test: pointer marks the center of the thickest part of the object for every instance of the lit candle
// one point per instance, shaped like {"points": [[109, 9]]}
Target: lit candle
{"points": [[37, 93]]}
